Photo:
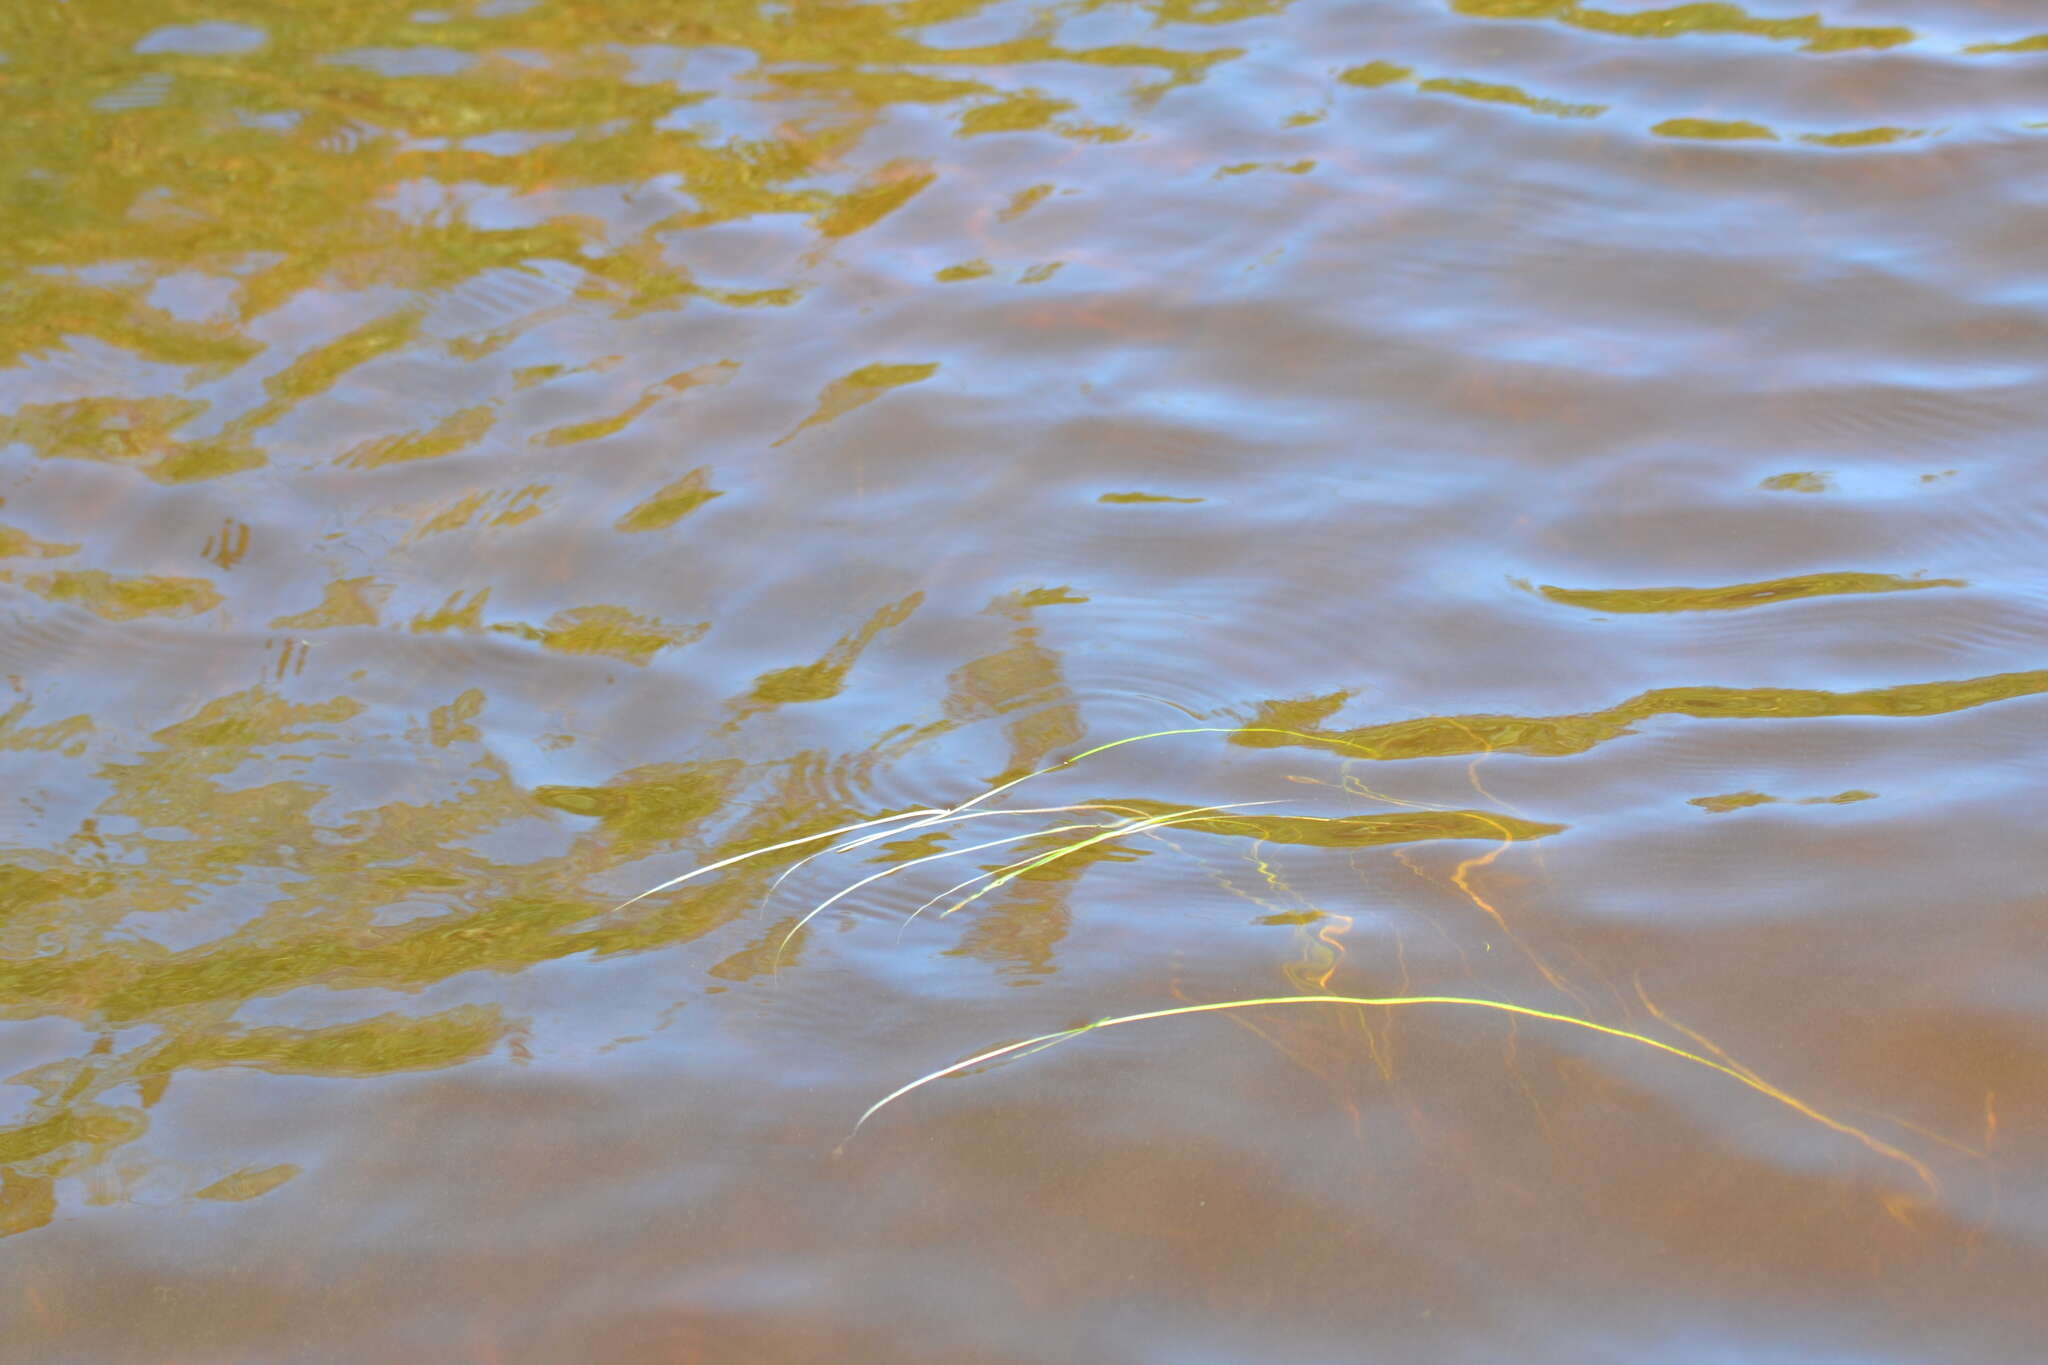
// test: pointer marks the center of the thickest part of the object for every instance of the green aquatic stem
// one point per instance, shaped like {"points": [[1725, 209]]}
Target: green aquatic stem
{"points": [[709, 868], [923, 818], [870, 838], [1069, 762], [1735, 1073], [1139, 824], [846, 891], [1003, 876], [928, 815], [1135, 825]]}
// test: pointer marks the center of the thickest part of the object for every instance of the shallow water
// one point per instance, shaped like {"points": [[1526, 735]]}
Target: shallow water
{"points": [[466, 466]]}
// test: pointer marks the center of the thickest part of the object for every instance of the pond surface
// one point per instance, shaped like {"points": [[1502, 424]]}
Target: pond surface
{"points": [[1579, 467]]}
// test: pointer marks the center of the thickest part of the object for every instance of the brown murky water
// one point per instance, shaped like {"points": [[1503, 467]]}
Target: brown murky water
{"points": [[1580, 466]]}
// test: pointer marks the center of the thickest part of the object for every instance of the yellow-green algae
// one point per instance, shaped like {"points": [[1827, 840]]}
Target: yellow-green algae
{"points": [[1714, 130], [1508, 94], [1553, 736], [248, 1183], [822, 679], [607, 630], [1372, 75], [2037, 43], [273, 167], [859, 388], [1281, 167], [16, 543], [119, 598], [113, 430], [1736, 596], [381, 1046], [87, 1124], [599, 629], [659, 804], [299, 205], [1680, 20], [670, 504], [198, 824], [487, 509], [1349, 831], [1021, 112], [455, 432], [1731, 801], [1743, 800], [700, 377], [1799, 481], [1023, 201], [1864, 137]]}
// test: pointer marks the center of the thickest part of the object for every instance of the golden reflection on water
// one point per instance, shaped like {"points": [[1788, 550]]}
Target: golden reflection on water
{"points": [[77, 915], [1739, 594], [1556, 736]]}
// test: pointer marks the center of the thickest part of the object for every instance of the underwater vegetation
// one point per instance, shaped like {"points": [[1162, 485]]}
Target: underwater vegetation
{"points": [[1119, 821]]}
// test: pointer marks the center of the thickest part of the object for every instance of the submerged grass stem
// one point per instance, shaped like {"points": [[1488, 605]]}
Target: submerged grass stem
{"points": [[1739, 1074], [920, 819]]}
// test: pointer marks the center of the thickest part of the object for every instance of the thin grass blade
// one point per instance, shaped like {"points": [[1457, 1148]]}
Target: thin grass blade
{"points": [[846, 891], [1009, 874], [1740, 1075]]}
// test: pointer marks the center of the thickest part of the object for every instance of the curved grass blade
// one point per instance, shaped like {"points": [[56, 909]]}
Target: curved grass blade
{"points": [[1155, 734], [951, 818], [1001, 875], [1009, 874], [1739, 1074], [1136, 825], [696, 872], [922, 817], [846, 891]]}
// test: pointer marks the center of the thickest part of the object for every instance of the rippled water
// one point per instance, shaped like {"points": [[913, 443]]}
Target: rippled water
{"points": [[466, 466]]}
